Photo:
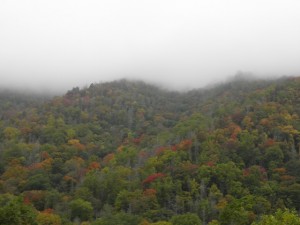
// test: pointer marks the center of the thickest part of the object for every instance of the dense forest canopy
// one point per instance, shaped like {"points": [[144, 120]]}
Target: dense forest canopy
{"points": [[126, 152]]}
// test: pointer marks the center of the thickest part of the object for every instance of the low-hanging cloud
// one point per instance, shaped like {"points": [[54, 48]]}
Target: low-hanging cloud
{"points": [[56, 45]]}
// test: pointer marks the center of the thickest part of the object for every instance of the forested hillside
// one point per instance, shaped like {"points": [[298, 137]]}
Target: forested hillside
{"points": [[130, 153]]}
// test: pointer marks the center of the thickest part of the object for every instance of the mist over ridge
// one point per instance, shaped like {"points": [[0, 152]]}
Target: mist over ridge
{"points": [[54, 46], [52, 89]]}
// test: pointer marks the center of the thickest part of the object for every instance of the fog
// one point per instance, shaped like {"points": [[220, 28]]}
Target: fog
{"points": [[59, 44]]}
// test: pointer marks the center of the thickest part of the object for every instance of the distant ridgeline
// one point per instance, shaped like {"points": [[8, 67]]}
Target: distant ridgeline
{"points": [[131, 153]]}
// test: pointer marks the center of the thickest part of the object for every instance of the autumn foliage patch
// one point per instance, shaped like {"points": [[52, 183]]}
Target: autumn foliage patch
{"points": [[153, 177]]}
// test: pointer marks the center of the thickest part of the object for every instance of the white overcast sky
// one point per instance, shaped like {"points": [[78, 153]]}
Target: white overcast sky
{"points": [[59, 44]]}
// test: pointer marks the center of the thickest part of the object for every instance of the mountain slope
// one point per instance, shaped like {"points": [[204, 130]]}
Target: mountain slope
{"points": [[126, 152]]}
